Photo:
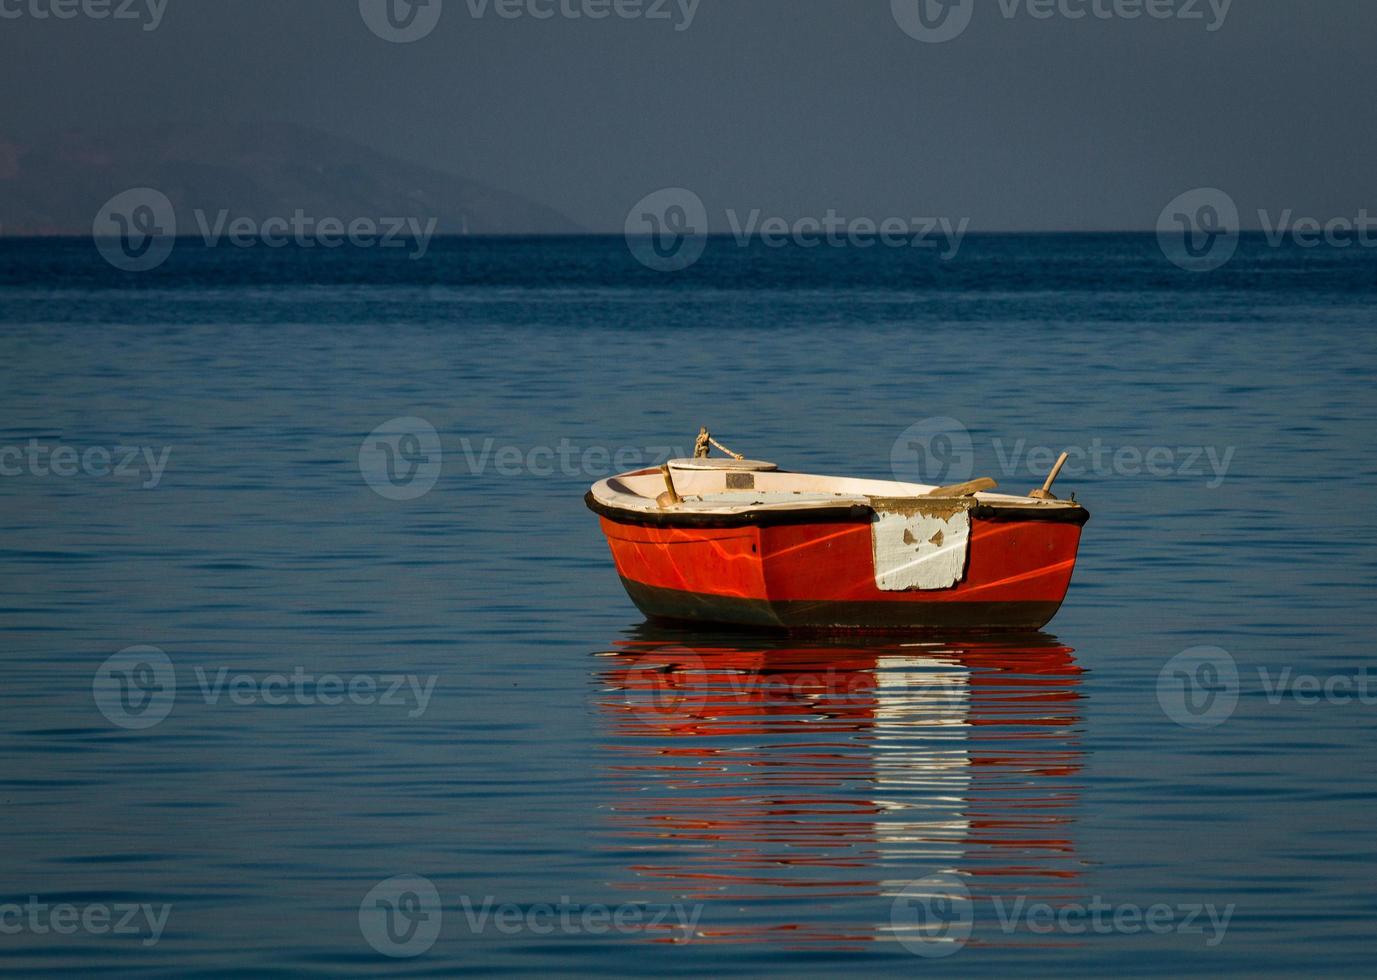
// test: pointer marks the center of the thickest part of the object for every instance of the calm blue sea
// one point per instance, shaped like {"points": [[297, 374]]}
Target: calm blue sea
{"points": [[388, 710]]}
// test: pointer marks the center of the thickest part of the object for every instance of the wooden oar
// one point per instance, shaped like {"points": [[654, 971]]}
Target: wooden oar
{"points": [[967, 489], [1046, 492]]}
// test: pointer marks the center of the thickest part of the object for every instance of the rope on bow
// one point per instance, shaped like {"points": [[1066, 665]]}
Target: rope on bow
{"points": [[705, 440]]}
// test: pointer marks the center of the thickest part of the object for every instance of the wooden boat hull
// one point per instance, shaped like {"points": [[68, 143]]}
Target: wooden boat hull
{"points": [[797, 571]]}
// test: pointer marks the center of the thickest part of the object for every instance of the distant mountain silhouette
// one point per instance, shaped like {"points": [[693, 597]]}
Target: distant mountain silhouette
{"points": [[58, 186]]}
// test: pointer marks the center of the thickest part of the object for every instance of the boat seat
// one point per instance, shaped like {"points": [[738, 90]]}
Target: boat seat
{"points": [[772, 498]]}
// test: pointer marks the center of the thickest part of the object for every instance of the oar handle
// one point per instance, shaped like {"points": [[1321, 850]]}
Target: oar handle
{"points": [[671, 495], [1056, 470]]}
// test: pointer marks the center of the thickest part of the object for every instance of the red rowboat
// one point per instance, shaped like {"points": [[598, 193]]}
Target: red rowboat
{"points": [[738, 541]]}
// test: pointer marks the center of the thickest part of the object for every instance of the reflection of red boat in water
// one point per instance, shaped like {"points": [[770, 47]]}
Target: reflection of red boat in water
{"points": [[798, 789]]}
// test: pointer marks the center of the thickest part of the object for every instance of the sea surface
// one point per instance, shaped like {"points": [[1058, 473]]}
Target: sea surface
{"points": [[389, 711]]}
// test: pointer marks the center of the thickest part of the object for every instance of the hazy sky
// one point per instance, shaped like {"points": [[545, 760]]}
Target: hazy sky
{"points": [[790, 106]]}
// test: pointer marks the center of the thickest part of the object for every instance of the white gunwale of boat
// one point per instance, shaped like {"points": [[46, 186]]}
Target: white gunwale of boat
{"points": [[705, 491]]}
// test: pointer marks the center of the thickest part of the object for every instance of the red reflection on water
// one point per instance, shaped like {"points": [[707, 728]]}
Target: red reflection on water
{"points": [[807, 781]]}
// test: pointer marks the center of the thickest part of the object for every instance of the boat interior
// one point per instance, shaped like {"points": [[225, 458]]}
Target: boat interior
{"points": [[729, 486]]}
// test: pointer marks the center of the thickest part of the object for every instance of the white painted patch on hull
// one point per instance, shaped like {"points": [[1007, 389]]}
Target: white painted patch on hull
{"points": [[916, 550]]}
